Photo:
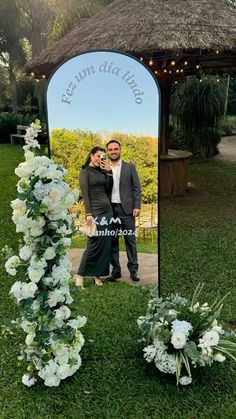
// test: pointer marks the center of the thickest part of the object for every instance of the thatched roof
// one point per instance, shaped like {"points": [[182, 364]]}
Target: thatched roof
{"points": [[146, 26]]}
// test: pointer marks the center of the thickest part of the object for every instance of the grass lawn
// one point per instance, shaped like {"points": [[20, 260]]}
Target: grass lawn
{"points": [[197, 244]]}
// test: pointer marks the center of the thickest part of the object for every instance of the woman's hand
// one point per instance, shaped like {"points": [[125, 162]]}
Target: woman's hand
{"points": [[89, 220], [105, 165]]}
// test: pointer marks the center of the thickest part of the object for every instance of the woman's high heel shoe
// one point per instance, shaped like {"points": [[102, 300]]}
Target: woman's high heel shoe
{"points": [[79, 281], [97, 281]]}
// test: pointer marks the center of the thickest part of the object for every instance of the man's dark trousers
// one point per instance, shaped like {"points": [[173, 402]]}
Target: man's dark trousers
{"points": [[128, 228]]}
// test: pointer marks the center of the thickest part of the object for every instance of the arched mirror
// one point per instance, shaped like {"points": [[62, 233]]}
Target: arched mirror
{"points": [[105, 105]]}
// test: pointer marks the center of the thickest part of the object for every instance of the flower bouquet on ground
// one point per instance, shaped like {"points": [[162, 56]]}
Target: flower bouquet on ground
{"points": [[41, 212], [180, 335]]}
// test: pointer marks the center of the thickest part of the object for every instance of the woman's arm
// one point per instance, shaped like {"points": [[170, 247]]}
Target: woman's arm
{"points": [[84, 186]]}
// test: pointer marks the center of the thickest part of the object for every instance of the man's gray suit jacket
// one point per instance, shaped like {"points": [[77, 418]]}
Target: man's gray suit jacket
{"points": [[130, 188]]}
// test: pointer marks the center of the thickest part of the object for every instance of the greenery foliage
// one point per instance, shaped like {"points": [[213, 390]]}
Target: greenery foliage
{"points": [[72, 147], [9, 121], [197, 108]]}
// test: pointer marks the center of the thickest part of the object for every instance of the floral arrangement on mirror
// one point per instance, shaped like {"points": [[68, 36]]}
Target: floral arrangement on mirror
{"points": [[180, 335], [41, 212]]}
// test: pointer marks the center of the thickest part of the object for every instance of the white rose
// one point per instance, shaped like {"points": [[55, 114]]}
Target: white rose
{"points": [[19, 206], [11, 264], [63, 371], [24, 169], [25, 252], [52, 381], [62, 359], [30, 338], [211, 338], [62, 313], [178, 340], [28, 381], [219, 357], [27, 326], [35, 275], [77, 323], [184, 381], [36, 231], [55, 297], [28, 290], [16, 290], [49, 253], [65, 241]]}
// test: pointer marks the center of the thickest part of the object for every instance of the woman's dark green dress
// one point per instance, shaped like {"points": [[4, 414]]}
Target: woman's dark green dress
{"points": [[96, 187]]}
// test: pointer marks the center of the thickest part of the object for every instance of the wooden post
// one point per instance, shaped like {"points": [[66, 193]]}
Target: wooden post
{"points": [[165, 90]]}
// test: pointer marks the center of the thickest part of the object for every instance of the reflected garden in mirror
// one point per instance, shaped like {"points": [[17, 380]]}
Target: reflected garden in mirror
{"points": [[93, 99]]}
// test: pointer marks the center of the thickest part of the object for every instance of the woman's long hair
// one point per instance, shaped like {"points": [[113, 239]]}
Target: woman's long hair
{"points": [[93, 151]]}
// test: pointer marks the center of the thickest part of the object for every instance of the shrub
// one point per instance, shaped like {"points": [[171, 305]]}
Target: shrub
{"points": [[197, 108], [9, 121]]}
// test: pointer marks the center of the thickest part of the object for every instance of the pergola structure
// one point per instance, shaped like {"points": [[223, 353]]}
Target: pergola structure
{"points": [[175, 38]]}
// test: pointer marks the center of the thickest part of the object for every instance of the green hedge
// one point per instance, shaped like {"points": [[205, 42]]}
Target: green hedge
{"points": [[9, 121]]}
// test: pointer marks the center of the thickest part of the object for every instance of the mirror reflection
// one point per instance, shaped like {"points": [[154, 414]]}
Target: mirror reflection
{"points": [[103, 121]]}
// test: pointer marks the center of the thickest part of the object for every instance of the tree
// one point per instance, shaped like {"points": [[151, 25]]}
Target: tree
{"points": [[11, 43]]}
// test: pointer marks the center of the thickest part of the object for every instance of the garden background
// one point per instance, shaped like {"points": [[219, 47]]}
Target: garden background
{"points": [[197, 244]]}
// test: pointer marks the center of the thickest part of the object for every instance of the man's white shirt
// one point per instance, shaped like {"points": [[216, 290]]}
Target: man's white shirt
{"points": [[116, 169]]}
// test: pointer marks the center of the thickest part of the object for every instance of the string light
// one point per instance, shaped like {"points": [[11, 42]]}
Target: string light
{"points": [[217, 51], [156, 72], [173, 62], [181, 71], [32, 74], [165, 70], [151, 62], [176, 82], [177, 71], [43, 76], [141, 58], [197, 66], [37, 80], [170, 72], [185, 62]]}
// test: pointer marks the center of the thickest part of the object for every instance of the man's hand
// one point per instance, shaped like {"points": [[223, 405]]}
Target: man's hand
{"points": [[136, 212]]}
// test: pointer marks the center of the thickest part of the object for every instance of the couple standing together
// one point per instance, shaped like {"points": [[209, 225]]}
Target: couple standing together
{"points": [[111, 195]]}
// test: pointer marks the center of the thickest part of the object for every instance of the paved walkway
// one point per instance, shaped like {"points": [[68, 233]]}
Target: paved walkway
{"points": [[227, 149], [147, 266]]}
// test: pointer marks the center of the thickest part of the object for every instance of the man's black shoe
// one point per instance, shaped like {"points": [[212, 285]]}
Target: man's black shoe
{"points": [[134, 276], [113, 276]]}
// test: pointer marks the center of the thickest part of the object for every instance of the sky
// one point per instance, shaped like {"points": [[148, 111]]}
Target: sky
{"points": [[103, 91]]}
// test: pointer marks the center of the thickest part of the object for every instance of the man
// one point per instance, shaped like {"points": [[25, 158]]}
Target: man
{"points": [[126, 202]]}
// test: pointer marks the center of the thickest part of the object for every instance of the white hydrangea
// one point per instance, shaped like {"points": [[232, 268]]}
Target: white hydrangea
{"points": [[181, 326], [149, 353]]}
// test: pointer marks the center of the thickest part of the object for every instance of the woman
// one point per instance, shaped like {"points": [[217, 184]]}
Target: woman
{"points": [[96, 183]]}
